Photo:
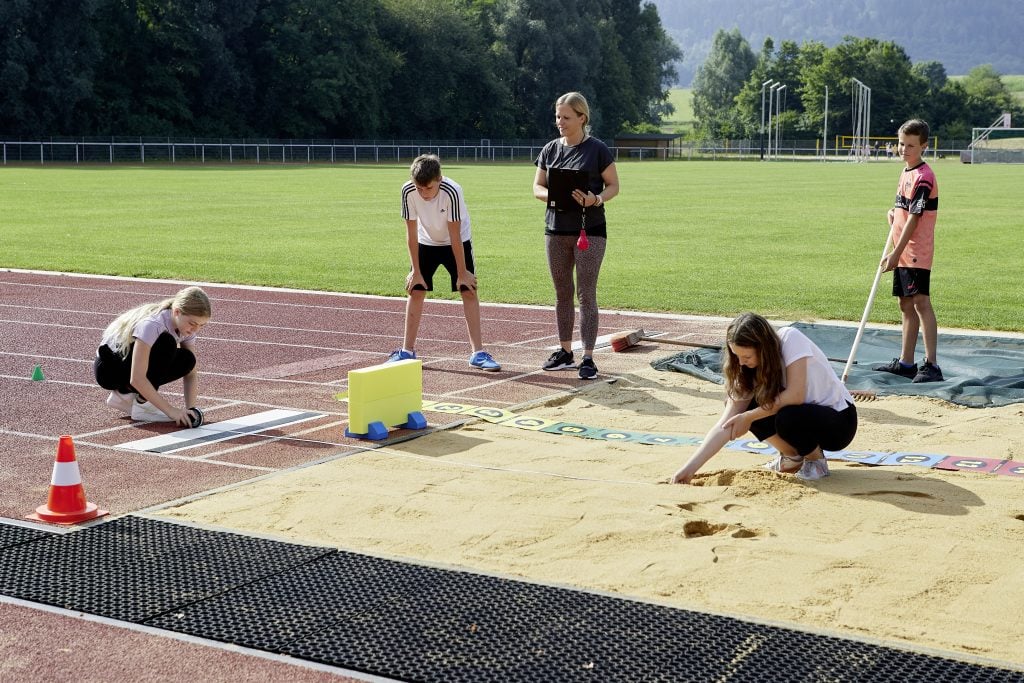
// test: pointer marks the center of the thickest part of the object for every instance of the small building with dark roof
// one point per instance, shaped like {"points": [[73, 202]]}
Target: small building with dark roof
{"points": [[645, 145]]}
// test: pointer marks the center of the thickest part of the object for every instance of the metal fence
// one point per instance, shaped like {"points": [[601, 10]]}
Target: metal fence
{"points": [[247, 151], [267, 151]]}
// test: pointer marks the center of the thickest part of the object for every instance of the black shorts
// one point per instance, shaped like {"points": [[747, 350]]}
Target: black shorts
{"points": [[911, 282], [807, 426], [168, 362], [432, 257]]}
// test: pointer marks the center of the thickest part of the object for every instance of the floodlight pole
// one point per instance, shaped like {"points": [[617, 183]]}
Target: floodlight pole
{"points": [[771, 96], [778, 119], [766, 83], [867, 121], [824, 134]]}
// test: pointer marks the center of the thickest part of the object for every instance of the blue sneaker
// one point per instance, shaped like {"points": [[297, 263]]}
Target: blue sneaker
{"points": [[484, 361], [401, 354]]}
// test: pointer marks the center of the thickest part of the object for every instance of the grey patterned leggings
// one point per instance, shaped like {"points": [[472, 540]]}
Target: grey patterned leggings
{"points": [[563, 257]]}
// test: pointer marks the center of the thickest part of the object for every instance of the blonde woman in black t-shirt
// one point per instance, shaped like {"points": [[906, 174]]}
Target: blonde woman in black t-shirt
{"points": [[567, 253]]}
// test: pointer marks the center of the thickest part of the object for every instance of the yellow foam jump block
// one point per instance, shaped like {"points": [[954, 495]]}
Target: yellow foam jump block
{"points": [[385, 395]]}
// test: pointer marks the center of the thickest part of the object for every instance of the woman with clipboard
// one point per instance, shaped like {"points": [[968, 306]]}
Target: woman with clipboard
{"points": [[575, 176]]}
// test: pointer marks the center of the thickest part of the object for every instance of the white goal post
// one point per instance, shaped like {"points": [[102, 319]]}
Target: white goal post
{"points": [[861, 96]]}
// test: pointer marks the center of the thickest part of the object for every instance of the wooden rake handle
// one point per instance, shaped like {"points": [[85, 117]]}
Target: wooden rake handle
{"points": [[714, 347]]}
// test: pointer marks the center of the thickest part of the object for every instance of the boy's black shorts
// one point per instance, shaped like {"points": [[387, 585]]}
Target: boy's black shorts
{"points": [[911, 282], [432, 257]]}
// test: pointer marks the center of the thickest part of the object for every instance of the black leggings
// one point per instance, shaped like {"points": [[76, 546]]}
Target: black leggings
{"points": [[563, 258], [807, 426], [167, 362]]}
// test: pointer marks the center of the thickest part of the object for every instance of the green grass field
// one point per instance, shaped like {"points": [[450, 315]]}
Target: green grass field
{"points": [[1015, 84], [680, 121], [790, 240]]}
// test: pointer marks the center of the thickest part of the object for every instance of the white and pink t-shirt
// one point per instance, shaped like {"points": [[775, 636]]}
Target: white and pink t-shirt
{"points": [[917, 194]]}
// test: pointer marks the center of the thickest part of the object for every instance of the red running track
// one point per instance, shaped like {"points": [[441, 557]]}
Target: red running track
{"points": [[264, 349]]}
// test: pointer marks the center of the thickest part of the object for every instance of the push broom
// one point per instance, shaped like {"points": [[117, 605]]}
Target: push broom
{"points": [[626, 340]]}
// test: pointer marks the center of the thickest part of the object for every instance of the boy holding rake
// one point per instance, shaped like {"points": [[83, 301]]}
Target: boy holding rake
{"points": [[913, 239]]}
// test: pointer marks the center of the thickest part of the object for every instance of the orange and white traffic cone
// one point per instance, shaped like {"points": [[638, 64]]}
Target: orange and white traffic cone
{"points": [[66, 503]]}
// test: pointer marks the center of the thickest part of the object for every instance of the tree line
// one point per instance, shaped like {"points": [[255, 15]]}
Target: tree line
{"points": [[441, 69], [728, 89]]}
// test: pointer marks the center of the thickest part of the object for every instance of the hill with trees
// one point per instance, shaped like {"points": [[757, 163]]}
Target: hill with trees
{"points": [[728, 91], [959, 35]]}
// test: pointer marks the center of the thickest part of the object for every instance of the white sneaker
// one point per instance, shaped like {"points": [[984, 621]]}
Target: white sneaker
{"points": [[121, 402], [147, 412]]}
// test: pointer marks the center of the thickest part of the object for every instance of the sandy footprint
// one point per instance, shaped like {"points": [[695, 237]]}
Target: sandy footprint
{"points": [[698, 528], [700, 508]]}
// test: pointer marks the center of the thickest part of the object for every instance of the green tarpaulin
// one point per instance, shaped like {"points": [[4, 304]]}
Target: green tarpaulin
{"points": [[980, 370]]}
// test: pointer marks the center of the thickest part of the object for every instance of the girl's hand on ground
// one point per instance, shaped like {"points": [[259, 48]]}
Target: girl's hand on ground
{"points": [[181, 417], [681, 477]]}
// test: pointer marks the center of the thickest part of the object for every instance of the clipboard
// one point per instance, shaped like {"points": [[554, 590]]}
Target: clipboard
{"points": [[561, 183]]}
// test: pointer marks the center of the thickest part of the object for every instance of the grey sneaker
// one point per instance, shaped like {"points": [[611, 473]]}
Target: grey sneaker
{"points": [[560, 360], [897, 368], [928, 373], [588, 370], [813, 470]]}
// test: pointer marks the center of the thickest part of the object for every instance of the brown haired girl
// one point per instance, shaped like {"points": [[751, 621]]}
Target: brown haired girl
{"points": [[781, 387]]}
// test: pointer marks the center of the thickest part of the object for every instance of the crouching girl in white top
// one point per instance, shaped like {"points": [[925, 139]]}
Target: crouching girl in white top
{"points": [[780, 387]]}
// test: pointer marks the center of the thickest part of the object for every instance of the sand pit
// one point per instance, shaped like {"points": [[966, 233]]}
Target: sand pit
{"points": [[903, 554]]}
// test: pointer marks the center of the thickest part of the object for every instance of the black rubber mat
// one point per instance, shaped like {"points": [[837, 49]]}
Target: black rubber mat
{"points": [[417, 623], [15, 535], [134, 569]]}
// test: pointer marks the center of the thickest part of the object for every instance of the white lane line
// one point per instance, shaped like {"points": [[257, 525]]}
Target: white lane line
{"points": [[118, 449], [293, 437], [219, 431]]}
